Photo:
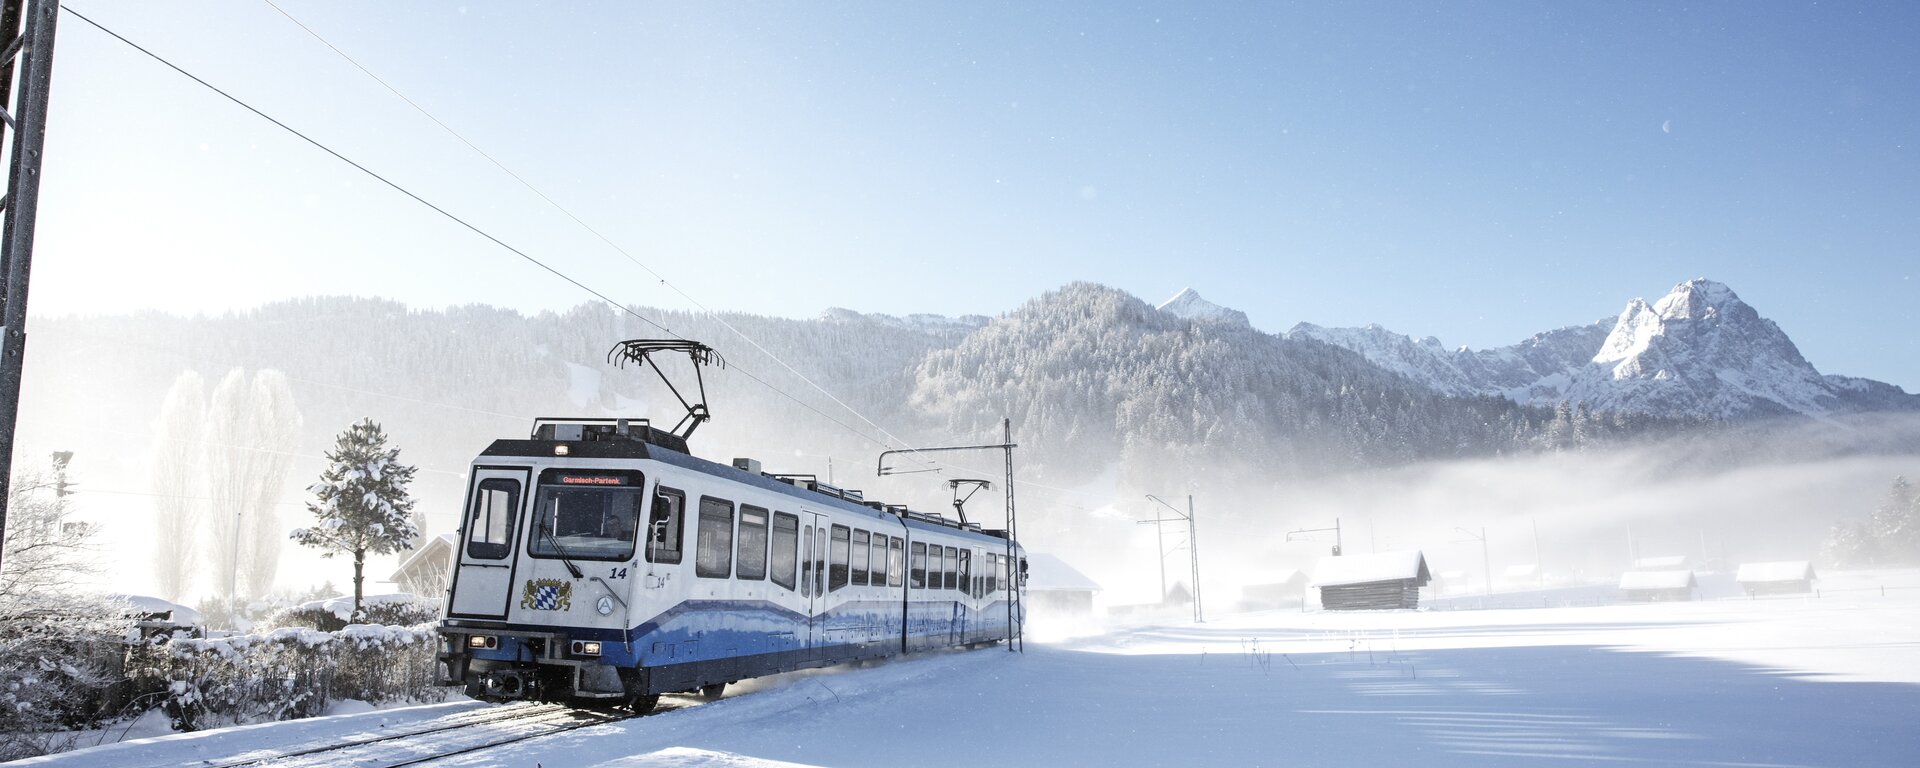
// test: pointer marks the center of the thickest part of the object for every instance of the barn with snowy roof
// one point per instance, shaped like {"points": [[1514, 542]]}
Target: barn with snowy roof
{"points": [[1056, 588], [425, 571], [1789, 577], [1378, 581], [1658, 586]]}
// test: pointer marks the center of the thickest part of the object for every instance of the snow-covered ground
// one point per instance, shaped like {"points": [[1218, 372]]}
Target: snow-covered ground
{"points": [[1827, 681]]}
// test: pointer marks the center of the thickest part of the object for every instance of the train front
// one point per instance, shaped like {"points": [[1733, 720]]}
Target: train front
{"points": [[544, 574]]}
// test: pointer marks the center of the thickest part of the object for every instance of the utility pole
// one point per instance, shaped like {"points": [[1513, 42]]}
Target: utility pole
{"points": [[1193, 553], [26, 74], [1016, 576], [1304, 534], [1160, 553], [1486, 563]]}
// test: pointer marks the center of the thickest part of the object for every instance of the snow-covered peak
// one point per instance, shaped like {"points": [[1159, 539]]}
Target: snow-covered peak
{"points": [[1188, 304], [1698, 298]]}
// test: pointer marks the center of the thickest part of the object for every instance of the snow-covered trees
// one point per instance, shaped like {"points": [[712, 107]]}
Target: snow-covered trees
{"points": [[1889, 536], [56, 647], [176, 480], [363, 503], [251, 429]]}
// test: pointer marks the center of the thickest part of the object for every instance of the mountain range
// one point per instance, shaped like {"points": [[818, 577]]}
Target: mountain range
{"points": [[1699, 351]]}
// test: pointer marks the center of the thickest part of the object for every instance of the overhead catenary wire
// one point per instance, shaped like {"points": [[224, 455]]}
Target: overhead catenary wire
{"points": [[483, 233], [669, 284], [891, 439]]}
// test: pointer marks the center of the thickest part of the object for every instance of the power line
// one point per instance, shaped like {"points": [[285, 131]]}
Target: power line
{"points": [[497, 241], [588, 227]]}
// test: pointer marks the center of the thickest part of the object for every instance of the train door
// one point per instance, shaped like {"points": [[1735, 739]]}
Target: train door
{"points": [[483, 578], [813, 559]]}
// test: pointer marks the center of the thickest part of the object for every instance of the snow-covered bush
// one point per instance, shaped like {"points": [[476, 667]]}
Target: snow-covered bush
{"points": [[398, 609], [287, 673]]}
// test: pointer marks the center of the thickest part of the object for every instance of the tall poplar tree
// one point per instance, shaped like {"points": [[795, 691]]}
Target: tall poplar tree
{"points": [[362, 503]]}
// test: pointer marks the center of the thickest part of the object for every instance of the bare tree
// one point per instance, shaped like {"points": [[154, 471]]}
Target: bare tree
{"points": [[175, 478], [275, 432]]}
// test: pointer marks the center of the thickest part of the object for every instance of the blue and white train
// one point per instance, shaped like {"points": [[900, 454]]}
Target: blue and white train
{"points": [[598, 561]]}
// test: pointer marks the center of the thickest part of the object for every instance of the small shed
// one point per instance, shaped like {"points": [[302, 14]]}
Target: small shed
{"points": [[426, 570], [1658, 586], [1790, 577], [1056, 588], [1274, 590], [1379, 581]]}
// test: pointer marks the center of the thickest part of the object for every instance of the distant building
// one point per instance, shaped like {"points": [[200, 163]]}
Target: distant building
{"points": [[1658, 586], [426, 570], [1380, 581], [1280, 589], [1791, 577], [1057, 589]]}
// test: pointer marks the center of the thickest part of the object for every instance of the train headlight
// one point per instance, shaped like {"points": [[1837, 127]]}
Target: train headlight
{"points": [[482, 641], [605, 606], [559, 450], [586, 648]]}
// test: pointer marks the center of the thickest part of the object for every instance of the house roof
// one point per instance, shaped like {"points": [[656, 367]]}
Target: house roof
{"points": [[1346, 570], [1787, 570], [1046, 573], [440, 543], [1657, 580]]}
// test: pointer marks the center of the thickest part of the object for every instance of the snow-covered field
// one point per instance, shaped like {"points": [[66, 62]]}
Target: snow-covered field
{"points": [[1828, 681]]}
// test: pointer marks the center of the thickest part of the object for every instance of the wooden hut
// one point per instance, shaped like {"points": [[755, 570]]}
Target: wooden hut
{"points": [[426, 570], [1279, 589], [1658, 586], [1791, 577], [1380, 581], [1057, 589]]}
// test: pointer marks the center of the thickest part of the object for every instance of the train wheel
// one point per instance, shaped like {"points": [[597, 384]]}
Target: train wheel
{"points": [[644, 703], [712, 692]]}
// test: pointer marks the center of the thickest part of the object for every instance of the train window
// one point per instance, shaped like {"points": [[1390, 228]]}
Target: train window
{"points": [[837, 567], [806, 562], [952, 569], [819, 561], [663, 538], [862, 545], [894, 564], [919, 571], [490, 526], [582, 515], [753, 543], [992, 569], [786, 536], [966, 570], [714, 558], [936, 562]]}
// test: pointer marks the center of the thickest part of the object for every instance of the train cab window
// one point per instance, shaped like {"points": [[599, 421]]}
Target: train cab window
{"points": [[894, 561], [918, 573], [837, 567], [786, 537], [663, 526], [586, 515], [862, 546], [714, 558], [952, 570], [966, 571], [496, 502], [753, 543]]}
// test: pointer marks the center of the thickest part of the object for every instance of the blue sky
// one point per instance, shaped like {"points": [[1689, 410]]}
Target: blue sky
{"points": [[1474, 171]]}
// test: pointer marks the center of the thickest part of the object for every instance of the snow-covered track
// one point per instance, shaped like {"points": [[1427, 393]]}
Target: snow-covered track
{"points": [[437, 739]]}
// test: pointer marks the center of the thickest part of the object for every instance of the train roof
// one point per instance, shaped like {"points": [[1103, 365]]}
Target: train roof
{"points": [[643, 445]]}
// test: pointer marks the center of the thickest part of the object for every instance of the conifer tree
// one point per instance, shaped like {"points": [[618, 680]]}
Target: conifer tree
{"points": [[363, 503]]}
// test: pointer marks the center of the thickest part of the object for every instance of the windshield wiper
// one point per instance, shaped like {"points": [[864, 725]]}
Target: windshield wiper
{"points": [[562, 551]]}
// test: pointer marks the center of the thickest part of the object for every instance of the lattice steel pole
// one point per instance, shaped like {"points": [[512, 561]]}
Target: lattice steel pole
{"points": [[26, 71]]}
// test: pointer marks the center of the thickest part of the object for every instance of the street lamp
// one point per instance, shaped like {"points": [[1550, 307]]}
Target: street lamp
{"points": [[1193, 552]]}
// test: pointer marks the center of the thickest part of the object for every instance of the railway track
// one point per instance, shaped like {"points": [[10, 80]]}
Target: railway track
{"points": [[435, 740]]}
